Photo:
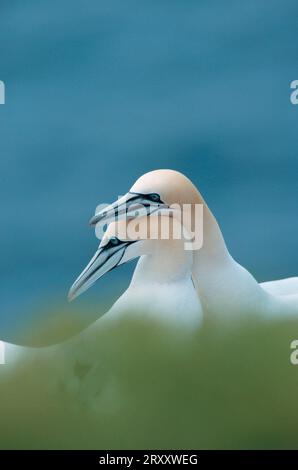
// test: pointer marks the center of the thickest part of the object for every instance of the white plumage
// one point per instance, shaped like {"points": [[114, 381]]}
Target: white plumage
{"points": [[224, 286]]}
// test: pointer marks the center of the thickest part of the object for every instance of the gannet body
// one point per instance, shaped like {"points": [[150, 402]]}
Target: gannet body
{"points": [[288, 286], [161, 285], [224, 286], [175, 302], [13, 353]]}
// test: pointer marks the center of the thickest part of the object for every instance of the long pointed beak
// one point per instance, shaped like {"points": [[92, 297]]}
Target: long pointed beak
{"points": [[129, 206], [113, 212], [104, 260]]}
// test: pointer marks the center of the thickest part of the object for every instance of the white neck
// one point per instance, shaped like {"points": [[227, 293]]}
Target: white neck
{"points": [[162, 285], [223, 285], [163, 261]]}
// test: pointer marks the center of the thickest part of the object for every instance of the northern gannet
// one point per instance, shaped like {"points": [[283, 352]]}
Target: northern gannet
{"points": [[161, 286], [223, 285], [162, 283]]}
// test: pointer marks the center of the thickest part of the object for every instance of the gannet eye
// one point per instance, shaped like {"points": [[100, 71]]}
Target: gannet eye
{"points": [[155, 197], [114, 241]]}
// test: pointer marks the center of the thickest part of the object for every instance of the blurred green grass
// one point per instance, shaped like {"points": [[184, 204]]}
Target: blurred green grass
{"points": [[137, 384]]}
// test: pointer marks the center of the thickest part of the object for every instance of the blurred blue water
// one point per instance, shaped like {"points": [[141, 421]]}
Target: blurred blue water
{"points": [[100, 92]]}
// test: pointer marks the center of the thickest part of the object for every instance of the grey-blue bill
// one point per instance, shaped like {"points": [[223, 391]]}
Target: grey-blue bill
{"points": [[105, 259]]}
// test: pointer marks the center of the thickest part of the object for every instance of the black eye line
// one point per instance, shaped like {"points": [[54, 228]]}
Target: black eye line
{"points": [[114, 241], [119, 242], [147, 196]]}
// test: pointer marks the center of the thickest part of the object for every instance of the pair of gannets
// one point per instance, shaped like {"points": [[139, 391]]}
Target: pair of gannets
{"points": [[162, 284], [169, 280]]}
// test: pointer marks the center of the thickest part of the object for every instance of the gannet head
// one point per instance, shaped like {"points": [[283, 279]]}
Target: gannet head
{"points": [[122, 242], [108, 256], [153, 192], [171, 186]]}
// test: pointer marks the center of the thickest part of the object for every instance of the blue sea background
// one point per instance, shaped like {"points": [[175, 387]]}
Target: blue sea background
{"points": [[100, 92]]}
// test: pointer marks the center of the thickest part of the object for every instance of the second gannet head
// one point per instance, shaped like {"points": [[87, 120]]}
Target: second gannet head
{"points": [[126, 240], [155, 191]]}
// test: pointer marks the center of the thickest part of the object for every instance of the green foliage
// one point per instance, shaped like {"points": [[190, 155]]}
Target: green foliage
{"points": [[137, 384]]}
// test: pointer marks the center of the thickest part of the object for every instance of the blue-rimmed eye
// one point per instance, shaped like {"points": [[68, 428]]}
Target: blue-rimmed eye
{"points": [[155, 197]]}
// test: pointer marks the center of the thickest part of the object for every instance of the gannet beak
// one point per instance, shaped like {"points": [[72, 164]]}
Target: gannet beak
{"points": [[105, 259], [129, 206]]}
